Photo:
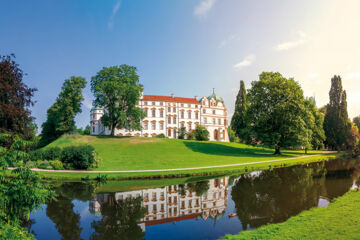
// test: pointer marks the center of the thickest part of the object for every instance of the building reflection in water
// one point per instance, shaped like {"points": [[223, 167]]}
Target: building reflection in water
{"points": [[205, 199]]}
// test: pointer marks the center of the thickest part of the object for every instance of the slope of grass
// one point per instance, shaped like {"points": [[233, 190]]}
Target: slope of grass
{"points": [[132, 153], [340, 220]]}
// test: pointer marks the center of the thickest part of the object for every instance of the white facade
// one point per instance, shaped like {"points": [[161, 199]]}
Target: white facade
{"points": [[167, 204], [167, 114]]}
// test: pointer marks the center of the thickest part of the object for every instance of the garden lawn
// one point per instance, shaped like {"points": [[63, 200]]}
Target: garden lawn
{"points": [[135, 153], [340, 220]]}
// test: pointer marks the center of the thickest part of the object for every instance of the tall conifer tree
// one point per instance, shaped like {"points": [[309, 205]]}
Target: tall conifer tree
{"points": [[336, 123], [238, 121]]}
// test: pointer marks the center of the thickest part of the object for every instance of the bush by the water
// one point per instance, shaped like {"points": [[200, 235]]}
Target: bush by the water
{"points": [[78, 157]]}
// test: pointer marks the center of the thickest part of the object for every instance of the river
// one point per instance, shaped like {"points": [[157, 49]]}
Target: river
{"points": [[190, 208]]}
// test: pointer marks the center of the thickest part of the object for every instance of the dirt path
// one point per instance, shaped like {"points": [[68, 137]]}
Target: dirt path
{"points": [[174, 169]]}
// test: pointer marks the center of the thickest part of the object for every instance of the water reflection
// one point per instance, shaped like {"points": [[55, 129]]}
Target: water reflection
{"points": [[194, 210]]}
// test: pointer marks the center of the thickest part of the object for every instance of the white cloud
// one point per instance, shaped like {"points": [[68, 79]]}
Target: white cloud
{"points": [[203, 8], [301, 39], [248, 60], [113, 14], [227, 41], [313, 75]]}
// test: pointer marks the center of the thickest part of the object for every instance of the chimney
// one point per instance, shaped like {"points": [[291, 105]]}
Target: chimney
{"points": [[172, 95]]}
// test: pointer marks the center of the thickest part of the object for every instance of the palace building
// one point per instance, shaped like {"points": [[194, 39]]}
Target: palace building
{"points": [[167, 114]]}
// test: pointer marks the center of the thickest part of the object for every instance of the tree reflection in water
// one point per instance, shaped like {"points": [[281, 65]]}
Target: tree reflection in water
{"points": [[120, 219], [274, 196]]}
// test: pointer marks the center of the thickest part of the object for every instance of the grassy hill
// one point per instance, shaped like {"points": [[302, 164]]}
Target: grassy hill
{"points": [[135, 153]]}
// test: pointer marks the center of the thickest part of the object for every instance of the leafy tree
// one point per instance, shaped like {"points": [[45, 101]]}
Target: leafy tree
{"points": [[201, 133], [315, 123], [336, 123], [15, 98], [238, 120], [120, 220], [356, 121], [87, 130], [275, 118], [232, 136], [61, 115], [118, 90], [182, 133], [200, 187]]}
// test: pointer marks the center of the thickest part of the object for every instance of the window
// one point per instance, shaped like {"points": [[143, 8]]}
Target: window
{"points": [[161, 113], [196, 106], [162, 194], [145, 126], [182, 125], [190, 203], [161, 126], [174, 109], [174, 133], [153, 103], [93, 128], [204, 110], [214, 112], [219, 121], [182, 105], [175, 200], [183, 204], [196, 115], [169, 120], [189, 126], [153, 126], [154, 195], [214, 120], [146, 112], [205, 120], [169, 200], [154, 207], [147, 208], [162, 207], [189, 105], [174, 120], [182, 114], [145, 103], [169, 109], [169, 132], [189, 115], [161, 103], [146, 197], [153, 113]]}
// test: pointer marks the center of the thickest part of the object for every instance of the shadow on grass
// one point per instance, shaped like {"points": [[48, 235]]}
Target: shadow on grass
{"points": [[224, 150]]}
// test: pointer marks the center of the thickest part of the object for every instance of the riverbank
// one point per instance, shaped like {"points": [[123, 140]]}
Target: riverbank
{"points": [[134, 158], [340, 220]]}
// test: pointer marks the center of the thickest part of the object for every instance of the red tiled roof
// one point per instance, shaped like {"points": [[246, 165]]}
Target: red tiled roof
{"points": [[169, 99], [173, 219]]}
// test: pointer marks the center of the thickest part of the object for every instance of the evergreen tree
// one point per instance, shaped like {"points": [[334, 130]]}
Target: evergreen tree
{"points": [[61, 115], [238, 120], [356, 121], [336, 123]]}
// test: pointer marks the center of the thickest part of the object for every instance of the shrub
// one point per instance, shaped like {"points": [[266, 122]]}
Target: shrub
{"points": [[36, 155], [201, 134], [52, 153], [160, 136], [182, 133], [79, 157], [190, 135], [57, 165], [232, 136], [97, 160]]}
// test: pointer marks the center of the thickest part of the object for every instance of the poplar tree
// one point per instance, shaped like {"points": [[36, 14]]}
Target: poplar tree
{"points": [[336, 123], [238, 120]]}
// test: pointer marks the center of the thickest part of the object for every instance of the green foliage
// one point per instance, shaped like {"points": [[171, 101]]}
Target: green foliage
{"points": [[232, 136], [315, 124], [336, 123], [190, 135], [79, 157], [276, 112], [61, 115], [239, 122], [86, 130], [56, 164], [118, 90], [13, 231], [182, 133], [13, 149], [199, 188], [161, 135], [356, 121], [51, 153], [201, 133]]}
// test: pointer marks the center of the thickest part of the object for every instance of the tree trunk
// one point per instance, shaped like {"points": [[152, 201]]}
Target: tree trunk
{"points": [[112, 130], [277, 150], [306, 150]]}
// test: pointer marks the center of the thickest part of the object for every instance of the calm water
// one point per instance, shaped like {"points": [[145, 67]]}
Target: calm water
{"points": [[194, 210]]}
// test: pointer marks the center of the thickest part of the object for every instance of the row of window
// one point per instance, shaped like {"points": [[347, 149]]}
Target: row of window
{"points": [[162, 104], [219, 121], [182, 114]]}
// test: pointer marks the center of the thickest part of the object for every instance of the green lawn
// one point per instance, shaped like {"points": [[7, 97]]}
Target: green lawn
{"points": [[340, 220], [134, 153]]}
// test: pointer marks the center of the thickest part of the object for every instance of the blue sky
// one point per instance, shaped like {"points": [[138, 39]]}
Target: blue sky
{"points": [[184, 47]]}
